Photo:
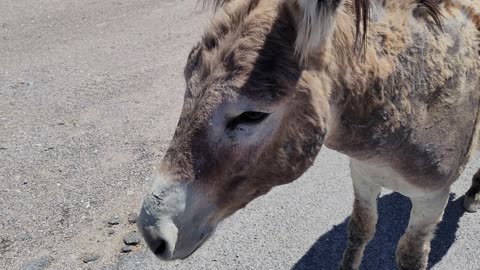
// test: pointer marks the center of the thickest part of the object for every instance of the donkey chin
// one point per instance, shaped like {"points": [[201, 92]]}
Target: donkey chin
{"points": [[168, 223]]}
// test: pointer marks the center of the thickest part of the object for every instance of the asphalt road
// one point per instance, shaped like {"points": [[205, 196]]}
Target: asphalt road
{"points": [[90, 92]]}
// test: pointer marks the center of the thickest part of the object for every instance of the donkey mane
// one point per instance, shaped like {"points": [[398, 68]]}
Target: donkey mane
{"points": [[317, 20]]}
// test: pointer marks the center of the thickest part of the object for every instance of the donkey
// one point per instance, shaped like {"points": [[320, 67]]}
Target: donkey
{"points": [[393, 84]]}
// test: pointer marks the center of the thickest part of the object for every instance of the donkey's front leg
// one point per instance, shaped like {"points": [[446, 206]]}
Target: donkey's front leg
{"points": [[414, 246], [363, 220]]}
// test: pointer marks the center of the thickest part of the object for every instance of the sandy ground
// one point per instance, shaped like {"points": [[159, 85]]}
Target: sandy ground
{"points": [[90, 92]]}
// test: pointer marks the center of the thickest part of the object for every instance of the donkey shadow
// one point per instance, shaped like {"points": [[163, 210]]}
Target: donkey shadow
{"points": [[394, 212]]}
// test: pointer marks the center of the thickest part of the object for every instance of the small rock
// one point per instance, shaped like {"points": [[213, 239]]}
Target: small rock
{"points": [[111, 232], [37, 264], [132, 218], [114, 221], [126, 249], [90, 258], [5, 244], [132, 239], [27, 83]]}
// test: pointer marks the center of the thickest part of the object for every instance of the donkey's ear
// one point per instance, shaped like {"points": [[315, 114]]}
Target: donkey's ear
{"points": [[315, 23]]}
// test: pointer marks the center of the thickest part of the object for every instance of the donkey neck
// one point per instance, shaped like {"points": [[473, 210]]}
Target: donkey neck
{"points": [[354, 98]]}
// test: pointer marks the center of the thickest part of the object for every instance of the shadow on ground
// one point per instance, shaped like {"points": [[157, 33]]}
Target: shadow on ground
{"points": [[394, 211]]}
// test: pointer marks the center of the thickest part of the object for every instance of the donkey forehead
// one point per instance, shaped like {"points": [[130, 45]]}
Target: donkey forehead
{"points": [[251, 56]]}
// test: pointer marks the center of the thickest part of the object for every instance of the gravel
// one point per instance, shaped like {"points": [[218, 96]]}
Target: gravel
{"points": [[90, 258], [37, 264], [132, 218], [88, 105], [114, 221], [127, 249], [132, 239], [5, 244]]}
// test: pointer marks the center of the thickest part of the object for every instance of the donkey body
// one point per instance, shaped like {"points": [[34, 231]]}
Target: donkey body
{"points": [[273, 80]]}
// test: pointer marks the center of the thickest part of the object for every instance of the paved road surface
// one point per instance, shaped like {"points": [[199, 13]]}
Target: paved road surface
{"points": [[90, 92]]}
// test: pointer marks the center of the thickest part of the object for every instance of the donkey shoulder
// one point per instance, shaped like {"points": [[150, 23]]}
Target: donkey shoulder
{"points": [[420, 119]]}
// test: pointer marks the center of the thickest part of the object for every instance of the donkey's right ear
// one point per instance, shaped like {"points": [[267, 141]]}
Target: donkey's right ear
{"points": [[315, 24]]}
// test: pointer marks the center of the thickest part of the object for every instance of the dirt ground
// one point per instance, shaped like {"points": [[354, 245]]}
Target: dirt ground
{"points": [[90, 93]]}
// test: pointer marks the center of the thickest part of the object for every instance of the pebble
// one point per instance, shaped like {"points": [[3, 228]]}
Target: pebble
{"points": [[114, 221], [5, 244], [38, 264], [126, 249], [90, 258], [111, 232], [132, 239], [27, 83], [132, 218]]}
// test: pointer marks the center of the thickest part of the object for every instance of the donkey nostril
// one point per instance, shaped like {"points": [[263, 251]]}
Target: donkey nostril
{"points": [[162, 246]]}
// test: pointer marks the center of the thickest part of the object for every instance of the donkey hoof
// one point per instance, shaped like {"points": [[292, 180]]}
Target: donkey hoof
{"points": [[471, 204]]}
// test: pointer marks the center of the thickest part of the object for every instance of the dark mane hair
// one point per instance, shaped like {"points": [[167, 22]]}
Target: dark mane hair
{"points": [[362, 14], [431, 7]]}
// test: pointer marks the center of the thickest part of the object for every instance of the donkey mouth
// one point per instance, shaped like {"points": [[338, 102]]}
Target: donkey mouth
{"points": [[183, 254]]}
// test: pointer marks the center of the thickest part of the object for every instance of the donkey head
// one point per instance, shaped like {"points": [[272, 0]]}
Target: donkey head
{"points": [[252, 119]]}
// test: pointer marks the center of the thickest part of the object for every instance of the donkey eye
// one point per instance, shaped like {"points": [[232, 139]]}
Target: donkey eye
{"points": [[247, 118], [252, 116]]}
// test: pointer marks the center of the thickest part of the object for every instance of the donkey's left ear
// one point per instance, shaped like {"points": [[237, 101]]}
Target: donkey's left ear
{"points": [[315, 23]]}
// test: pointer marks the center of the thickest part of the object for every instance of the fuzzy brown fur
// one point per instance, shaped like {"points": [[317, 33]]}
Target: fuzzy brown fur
{"points": [[361, 229]]}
